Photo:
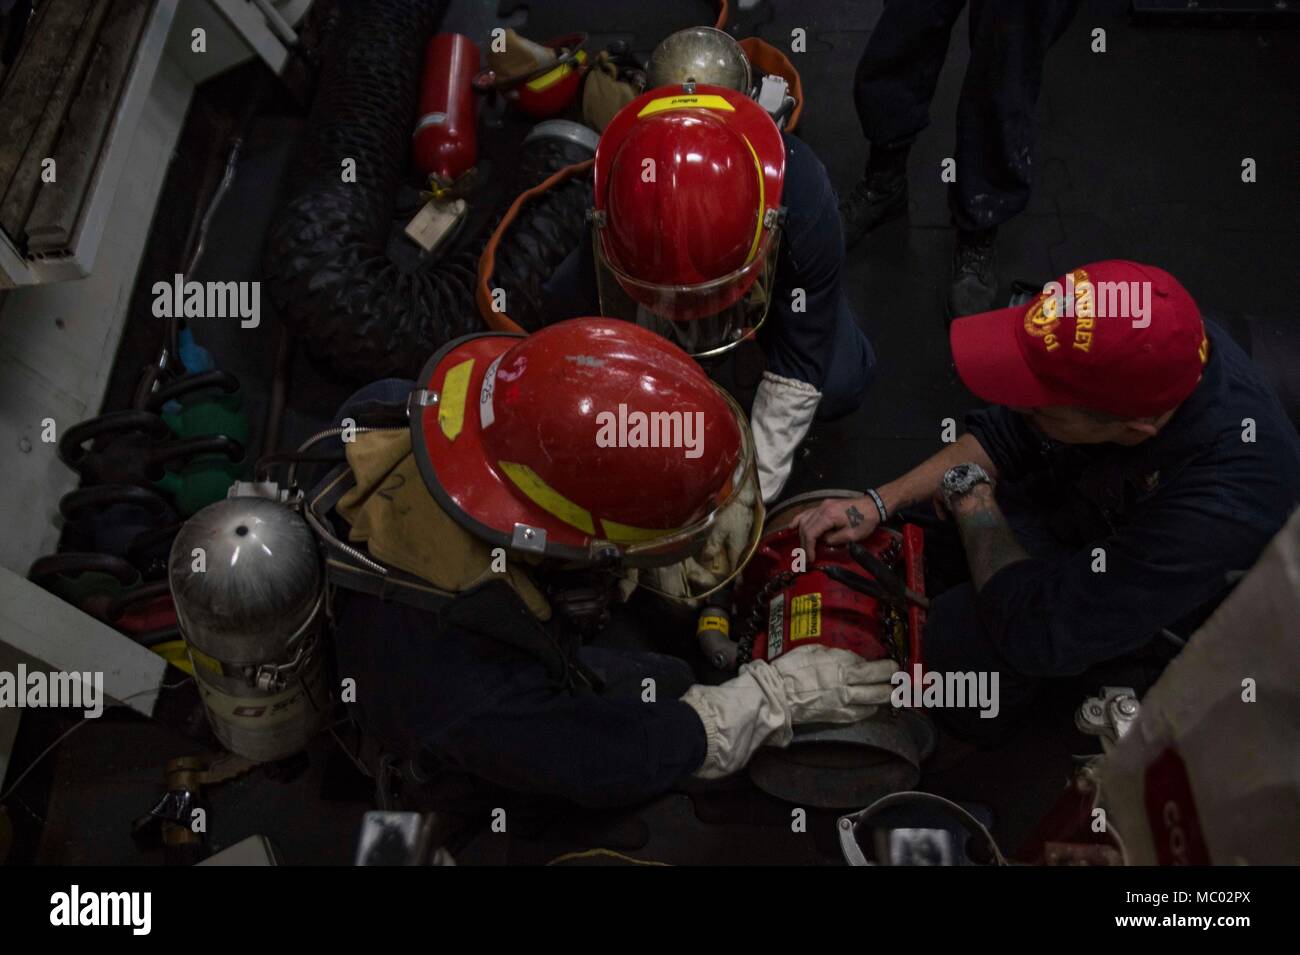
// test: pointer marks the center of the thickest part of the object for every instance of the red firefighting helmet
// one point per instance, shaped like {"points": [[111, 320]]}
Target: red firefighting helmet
{"points": [[687, 211], [592, 440]]}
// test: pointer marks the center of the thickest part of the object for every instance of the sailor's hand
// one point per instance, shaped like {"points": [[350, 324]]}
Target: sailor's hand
{"points": [[832, 685], [836, 522]]}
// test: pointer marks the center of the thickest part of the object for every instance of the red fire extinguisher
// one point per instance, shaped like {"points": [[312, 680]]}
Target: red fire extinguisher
{"points": [[446, 140]]}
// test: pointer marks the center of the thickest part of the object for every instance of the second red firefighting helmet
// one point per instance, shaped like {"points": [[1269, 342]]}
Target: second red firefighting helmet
{"points": [[688, 187]]}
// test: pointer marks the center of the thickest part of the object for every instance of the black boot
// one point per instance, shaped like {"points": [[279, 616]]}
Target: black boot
{"points": [[974, 283], [881, 194]]}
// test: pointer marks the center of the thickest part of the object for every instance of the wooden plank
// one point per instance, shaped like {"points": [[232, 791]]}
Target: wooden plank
{"points": [[26, 182], [31, 80], [53, 221]]}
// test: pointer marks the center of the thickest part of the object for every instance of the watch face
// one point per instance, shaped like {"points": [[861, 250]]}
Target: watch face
{"points": [[956, 476]]}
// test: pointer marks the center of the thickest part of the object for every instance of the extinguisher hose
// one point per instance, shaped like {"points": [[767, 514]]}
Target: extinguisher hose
{"points": [[886, 576], [870, 588]]}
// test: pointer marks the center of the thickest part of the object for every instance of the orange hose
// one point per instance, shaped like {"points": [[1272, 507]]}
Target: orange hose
{"points": [[501, 321], [724, 10]]}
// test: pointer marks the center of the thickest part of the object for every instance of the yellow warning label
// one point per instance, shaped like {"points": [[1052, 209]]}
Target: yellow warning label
{"points": [[713, 621], [703, 101], [806, 617]]}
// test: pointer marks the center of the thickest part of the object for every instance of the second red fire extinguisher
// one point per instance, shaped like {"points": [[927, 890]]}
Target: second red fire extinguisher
{"points": [[446, 138]]}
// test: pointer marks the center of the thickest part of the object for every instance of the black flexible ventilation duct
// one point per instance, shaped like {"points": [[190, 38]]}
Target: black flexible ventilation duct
{"points": [[549, 227], [363, 313], [327, 264]]}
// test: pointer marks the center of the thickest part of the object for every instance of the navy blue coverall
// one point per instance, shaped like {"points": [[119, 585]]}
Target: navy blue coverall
{"points": [[455, 691], [1174, 516]]}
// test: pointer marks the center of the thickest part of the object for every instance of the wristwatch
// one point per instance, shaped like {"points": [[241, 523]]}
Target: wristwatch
{"points": [[961, 480]]}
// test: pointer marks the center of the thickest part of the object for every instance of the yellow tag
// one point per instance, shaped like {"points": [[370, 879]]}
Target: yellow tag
{"points": [[703, 101], [547, 497], [201, 659], [806, 617], [451, 405], [714, 621]]}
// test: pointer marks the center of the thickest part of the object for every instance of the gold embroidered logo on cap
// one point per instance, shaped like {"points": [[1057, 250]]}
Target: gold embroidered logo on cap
{"points": [[1044, 316], [1041, 321]]}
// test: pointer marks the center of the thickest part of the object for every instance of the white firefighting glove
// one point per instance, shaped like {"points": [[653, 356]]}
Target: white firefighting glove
{"points": [[724, 550], [814, 684], [782, 414]]}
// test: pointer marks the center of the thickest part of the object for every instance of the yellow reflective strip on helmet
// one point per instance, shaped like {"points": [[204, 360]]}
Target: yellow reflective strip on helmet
{"points": [[547, 498], [554, 75], [451, 403], [703, 101], [626, 532], [762, 201]]}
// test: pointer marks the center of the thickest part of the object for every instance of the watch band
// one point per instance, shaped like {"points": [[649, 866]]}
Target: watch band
{"points": [[880, 504]]}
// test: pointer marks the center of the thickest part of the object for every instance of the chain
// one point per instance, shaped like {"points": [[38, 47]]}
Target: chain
{"points": [[758, 615]]}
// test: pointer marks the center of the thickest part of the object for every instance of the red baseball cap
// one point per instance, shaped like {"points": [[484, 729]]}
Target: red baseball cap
{"points": [[1114, 336]]}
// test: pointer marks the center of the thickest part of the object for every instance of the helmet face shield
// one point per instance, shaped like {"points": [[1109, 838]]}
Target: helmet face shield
{"points": [[704, 320], [688, 541]]}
